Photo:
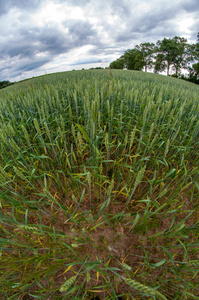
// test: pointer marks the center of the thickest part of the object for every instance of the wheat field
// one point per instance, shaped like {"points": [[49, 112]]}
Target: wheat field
{"points": [[99, 187]]}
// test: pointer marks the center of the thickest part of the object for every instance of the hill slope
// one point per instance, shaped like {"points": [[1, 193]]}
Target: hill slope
{"points": [[99, 187]]}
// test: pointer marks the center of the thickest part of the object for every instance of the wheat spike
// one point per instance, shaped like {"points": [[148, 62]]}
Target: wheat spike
{"points": [[143, 288], [151, 130], [100, 168], [110, 188], [126, 267], [132, 136], [139, 177], [193, 263], [62, 123], [73, 130], [19, 174], [14, 145], [4, 173], [89, 178], [80, 141], [191, 296], [166, 148], [48, 194], [107, 142], [67, 284], [125, 139], [47, 130], [28, 228], [37, 126], [145, 114], [154, 139], [10, 130], [161, 194], [99, 119], [25, 133]]}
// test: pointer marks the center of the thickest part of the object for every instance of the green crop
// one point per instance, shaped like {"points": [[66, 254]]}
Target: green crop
{"points": [[99, 187]]}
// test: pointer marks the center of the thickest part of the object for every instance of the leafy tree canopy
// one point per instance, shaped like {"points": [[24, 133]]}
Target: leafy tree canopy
{"points": [[4, 83], [168, 54]]}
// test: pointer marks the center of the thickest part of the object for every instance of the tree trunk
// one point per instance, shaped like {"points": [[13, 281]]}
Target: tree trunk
{"points": [[168, 69]]}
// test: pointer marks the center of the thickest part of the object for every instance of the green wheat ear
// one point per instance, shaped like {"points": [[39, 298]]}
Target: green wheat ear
{"points": [[67, 284], [143, 288], [193, 263], [191, 296], [126, 267]]}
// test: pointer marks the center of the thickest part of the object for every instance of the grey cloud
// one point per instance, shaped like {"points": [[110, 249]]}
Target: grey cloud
{"points": [[86, 61], [6, 5], [126, 36], [74, 2], [190, 5], [148, 24], [101, 50], [121, 8], [31, 41], [195, 31], [28, 66], [81, 32], [48, 40], [18, 67]]}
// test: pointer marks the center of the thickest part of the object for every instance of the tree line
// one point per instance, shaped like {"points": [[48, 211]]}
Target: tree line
{"points": [[5, 83], [170, 55]]}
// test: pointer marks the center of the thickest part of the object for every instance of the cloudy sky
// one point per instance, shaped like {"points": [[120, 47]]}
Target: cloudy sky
{"points": [[44, 36]]}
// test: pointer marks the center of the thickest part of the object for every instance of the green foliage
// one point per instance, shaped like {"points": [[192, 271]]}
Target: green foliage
{"points": [[134, 59], [168, 54], [5, 83], [118, 64], [172, 52], [196, 68], [99, 187], [147, 50]]}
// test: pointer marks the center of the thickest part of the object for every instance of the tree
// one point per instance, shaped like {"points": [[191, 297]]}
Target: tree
{"points": [[134, 59], [180, 54], [168, 54], [147, 50], [5, 83], [196, 68], [173, 53], [197, 48], [196, 56], [165, 48], [160, 64], [117, 64], [192, 61]]}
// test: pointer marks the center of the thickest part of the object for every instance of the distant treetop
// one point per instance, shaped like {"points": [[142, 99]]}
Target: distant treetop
{"points": [[5, 83]]}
